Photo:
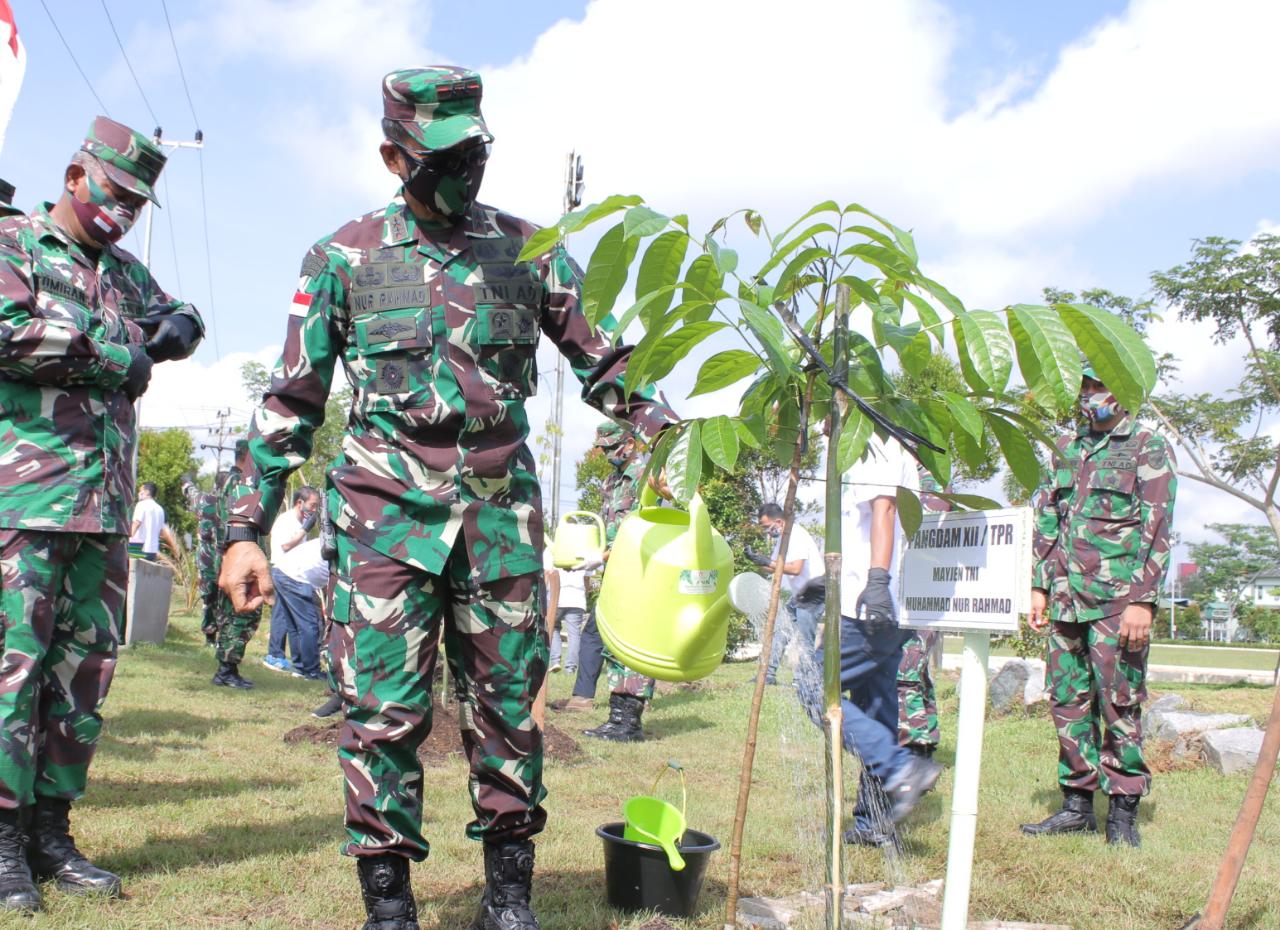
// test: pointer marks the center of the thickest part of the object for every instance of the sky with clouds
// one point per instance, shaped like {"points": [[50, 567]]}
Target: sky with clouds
{"points": [[1026, 144]]}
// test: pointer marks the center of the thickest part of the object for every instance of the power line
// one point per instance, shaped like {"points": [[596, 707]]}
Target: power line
{"points": [[53, 22], [178, 58], [208, 258], [173, 236], [136, 83]]}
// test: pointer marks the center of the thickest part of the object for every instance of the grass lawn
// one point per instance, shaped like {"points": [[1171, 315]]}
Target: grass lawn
{"points": [[1162, 654], [214, 822]]}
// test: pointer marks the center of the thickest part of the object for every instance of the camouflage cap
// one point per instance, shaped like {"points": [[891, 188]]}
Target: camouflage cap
{"points": [[436, 107], [129, 158], [609, 435]]}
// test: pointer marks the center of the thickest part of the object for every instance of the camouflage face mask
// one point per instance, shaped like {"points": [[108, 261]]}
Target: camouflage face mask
{"points": [[446, 182], [1099, 406], [103, 217]]}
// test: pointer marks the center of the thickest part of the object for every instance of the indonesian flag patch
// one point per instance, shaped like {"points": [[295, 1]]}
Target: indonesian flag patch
{"points": [[301, 304]]}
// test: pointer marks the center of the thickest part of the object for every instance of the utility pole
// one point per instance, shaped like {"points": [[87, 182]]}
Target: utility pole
{"points": [[196, 143], [223, 434], [572, 200]]}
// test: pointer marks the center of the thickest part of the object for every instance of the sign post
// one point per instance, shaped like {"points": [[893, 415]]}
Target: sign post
{"points": [[967, 572]]}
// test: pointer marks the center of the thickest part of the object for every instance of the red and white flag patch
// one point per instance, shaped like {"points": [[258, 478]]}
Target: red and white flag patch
{"points": [[301, 304]]}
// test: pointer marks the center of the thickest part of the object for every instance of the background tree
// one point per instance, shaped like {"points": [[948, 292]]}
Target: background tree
{"points": [[164, 456], [326, 444], [1225, 568], [589, 475], [1224, 440]]}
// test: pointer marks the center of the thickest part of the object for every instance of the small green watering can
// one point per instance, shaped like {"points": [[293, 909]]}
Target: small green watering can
{"points": [[575, 543], [652, 820], [664, 608]]}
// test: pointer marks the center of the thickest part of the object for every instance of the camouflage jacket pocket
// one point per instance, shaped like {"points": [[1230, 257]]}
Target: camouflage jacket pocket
{"points": [[1112, 496], [391, 352], [506, 336]]}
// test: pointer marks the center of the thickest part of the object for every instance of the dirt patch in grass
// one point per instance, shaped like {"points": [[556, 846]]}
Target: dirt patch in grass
{"points": [[445, 739], [1163, 756]]}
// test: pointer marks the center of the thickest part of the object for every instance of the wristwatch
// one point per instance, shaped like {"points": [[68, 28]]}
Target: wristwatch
{"points": [[240, 532]]}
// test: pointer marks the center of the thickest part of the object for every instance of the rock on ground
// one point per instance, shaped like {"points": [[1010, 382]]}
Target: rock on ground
{"points": [[1181, 724], [1233, 751], [1006, 689]]}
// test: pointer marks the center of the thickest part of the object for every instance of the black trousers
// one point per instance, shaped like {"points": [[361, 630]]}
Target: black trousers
{"points": [[590, 659]]}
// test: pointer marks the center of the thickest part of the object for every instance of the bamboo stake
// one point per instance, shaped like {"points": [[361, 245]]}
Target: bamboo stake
{"points": [[766, 649], [833, 718]]}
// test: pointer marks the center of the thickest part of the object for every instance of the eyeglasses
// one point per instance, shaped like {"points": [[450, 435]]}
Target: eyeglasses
{"points": [[450, 161]]}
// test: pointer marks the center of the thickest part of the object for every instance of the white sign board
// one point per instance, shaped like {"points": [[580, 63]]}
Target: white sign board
{"points": [[968, 571]]}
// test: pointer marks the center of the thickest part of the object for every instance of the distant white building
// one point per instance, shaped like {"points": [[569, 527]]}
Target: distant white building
{"points": [[1263, 589]]}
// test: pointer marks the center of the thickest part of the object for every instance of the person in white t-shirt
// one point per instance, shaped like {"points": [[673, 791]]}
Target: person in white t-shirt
{"points": [[893, 779], [571, 613], [149, 526], [293, 617], [802, 562]]}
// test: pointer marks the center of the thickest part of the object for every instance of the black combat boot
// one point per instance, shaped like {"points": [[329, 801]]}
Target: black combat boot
{"points": [[228, 676], [1076, 816], [623, 725], [53, 853], [388, 896], [921, 750], [1122, 820], [508, 886], [18, 891]]}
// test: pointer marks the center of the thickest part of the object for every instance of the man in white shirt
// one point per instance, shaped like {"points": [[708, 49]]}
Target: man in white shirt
{"points": [[570, 615], [293, 616], [149, 526], [803, 562], [893, 780]]}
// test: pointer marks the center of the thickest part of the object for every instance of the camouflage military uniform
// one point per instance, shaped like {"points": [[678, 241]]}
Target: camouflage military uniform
{"points": [[621, 494], [917, 698], [208, 560], [1102, 543], [232, 630], [435, 499], [67, 435]]}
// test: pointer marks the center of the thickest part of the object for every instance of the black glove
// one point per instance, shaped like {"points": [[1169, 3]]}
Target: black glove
{"points": [[138, 376], [308, 521], [875, 605], [171, 336], [755, 557], [813, 593]]}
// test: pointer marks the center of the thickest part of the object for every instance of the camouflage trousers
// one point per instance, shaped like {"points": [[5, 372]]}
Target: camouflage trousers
{"points": [[917, 700], [209, 594], [1096, 691], [383, 646], [234, 630], [61, 600], [623, 680]]}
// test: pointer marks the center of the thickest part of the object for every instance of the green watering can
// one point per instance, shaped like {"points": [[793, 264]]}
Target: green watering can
{"points": [[664, 608], [579, 542], [652, 820]]}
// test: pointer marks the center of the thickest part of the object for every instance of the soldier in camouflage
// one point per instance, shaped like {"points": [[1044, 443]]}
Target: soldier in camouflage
{"points": [[435, 498], [917, 698], [81, 323], [1103, 518], [209, 556], [231, 629], [629, 691]]}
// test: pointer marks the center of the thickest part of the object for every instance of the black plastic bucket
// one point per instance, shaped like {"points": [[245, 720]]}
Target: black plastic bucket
{"points": [[638, 878]]}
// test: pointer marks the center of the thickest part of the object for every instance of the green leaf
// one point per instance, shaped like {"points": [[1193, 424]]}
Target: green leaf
{"points": [[1120, 357], [1017, 451], [725, 368], [903, 238], [684, 464], [720, 441], [607, 273], [670, 349], [541, 242], [928, 317], [891, 261], [969, 501], [659, 268], [643, 306], [780, 255], [862, 289], [965, 413], [795, 266], [753, 221], [985, 350], [854, 436], [944, 296], [752, 431], [1047, 355], [705, 278], [973, 453], [827, 206], [584, 217], [726, 259], [910, 513], [768, 330], [640, 221]]}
